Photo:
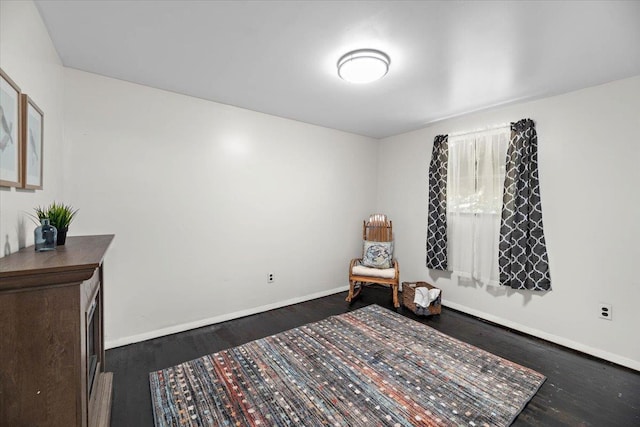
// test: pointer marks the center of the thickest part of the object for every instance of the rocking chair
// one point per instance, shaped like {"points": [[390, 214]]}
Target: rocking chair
{"points": [[377, 264]]}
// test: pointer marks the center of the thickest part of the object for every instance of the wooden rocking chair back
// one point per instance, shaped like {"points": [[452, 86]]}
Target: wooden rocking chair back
{"points": [[377, 229]]}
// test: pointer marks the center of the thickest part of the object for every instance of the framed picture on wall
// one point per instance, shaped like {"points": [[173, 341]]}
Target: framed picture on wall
{"points": [[10, 135], [32, 144]]}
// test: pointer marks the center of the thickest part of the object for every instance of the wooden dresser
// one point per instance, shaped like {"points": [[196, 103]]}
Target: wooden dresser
{"points": [[52, 370]]}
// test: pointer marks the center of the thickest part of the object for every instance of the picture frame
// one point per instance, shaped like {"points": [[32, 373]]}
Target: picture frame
{"points": [[10, 133], [32, 144]]}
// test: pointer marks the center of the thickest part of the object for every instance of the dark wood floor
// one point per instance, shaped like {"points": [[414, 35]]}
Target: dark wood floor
{"points": [[579, 390]]}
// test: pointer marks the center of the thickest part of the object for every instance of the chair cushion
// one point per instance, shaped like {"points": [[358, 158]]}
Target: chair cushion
{"points": [[383, 273], [377, 254]]}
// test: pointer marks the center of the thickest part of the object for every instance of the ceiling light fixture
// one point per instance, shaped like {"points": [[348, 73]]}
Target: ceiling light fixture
{"points": [[363, 66]]}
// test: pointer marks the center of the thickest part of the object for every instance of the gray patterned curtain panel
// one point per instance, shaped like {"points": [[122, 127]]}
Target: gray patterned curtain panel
{"points": [[437, 220], [523, 260]]}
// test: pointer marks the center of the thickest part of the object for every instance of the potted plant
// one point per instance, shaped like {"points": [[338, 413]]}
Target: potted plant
{"points": [[59, 215]]}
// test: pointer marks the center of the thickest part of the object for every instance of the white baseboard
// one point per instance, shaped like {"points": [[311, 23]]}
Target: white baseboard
{"points": [[620, 360], [217, 319], [611, 357]]}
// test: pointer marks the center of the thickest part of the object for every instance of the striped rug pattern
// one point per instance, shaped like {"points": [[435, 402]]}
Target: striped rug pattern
{"points": [[368, 367]]}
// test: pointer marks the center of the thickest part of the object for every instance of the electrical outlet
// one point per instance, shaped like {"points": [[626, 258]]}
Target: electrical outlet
{"points": [[270, 278], [605, 311]]}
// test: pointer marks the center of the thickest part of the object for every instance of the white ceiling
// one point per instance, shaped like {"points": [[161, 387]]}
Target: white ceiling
{"points": [[279, 57]]}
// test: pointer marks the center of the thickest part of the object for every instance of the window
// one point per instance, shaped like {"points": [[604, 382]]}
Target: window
{"points": [[475, 181]]}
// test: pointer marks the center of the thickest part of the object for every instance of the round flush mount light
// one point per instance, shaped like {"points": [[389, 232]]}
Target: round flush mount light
{"points": [[363, 66]]}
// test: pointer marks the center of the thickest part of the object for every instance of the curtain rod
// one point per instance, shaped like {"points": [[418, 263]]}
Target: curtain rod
{"points": [[502, 125]]}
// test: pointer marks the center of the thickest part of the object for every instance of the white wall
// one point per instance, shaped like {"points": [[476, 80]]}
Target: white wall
{"points": [[27, 55], [206, 199], [589, 160]]}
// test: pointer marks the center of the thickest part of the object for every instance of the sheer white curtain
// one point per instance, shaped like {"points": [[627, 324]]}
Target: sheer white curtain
{"points": [[475, 182]]}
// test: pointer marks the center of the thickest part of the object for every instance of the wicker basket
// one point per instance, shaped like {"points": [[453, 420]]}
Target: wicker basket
{"points": [[409, 293]]}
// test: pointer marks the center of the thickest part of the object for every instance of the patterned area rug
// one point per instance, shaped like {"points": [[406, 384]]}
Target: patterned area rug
{"points": [[369, 367]]}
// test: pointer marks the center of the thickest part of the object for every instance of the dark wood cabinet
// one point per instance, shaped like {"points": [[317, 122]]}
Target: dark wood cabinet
{"points": [[52, 370]]}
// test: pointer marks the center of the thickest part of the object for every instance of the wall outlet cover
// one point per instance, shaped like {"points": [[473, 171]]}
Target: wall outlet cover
{"points": [[605, 311]]}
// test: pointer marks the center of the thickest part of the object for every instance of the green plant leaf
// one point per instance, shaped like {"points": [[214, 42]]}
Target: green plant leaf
{"points": [[59, 214]]}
